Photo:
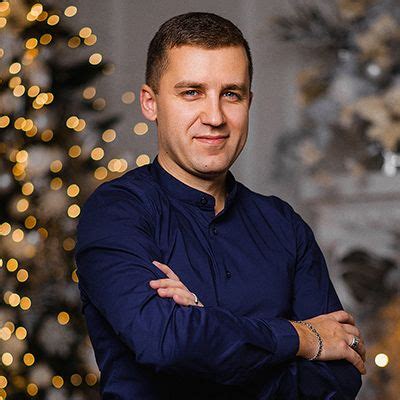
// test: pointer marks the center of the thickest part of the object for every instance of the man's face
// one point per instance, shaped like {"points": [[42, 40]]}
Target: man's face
{"points": [[202, 110]]}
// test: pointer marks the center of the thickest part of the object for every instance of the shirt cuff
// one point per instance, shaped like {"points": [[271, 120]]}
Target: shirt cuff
{"points": [[286, 339]]}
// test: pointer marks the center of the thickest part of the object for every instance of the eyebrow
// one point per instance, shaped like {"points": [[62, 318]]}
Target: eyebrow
{"points": [[196, 85]]}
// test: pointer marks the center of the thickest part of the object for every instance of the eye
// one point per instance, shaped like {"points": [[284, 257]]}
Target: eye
{"points": [[190, 93], [232, 95]]}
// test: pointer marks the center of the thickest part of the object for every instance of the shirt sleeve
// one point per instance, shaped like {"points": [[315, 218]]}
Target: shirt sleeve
{"points": [[114, 255], [314, 294]]}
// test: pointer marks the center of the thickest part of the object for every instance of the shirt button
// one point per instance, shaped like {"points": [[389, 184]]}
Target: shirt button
{"points": [[203, 201], [228, 274], [214, 230]]}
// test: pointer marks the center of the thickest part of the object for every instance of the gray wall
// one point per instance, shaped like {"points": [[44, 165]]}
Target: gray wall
{"points": [[124, 29]]}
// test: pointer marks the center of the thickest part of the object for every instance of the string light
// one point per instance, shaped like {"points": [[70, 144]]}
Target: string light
{"points": [[73, 210], [95, 58], [27, 188], [10, 325], [63, 318], [14, 299], [31, 43], [74, 276], [4, 121], [53, 20], [81, 125], [21, 333], [73, 190], [56, 166], [100, 173], [7, 359], [99, 104], [22, 205], [76, 379], [47, 135], [141, 128], [28, 359], [25, 303], [12, 264], [97, 153], [381, 360], [3, 382], [21, 156], [4, 7], [33, 91], [56, 183], [143, 159], [15, 68], [90, 40], [5, 334], [5, 229], [70, 11], [89, 93], [22, 275], [128, 97], [19, 91], [74, 42], [14, 81], [45, 39], [43, 16], [32, 389], [57, 381], [74, 151], [85, 32], [30, 222], [109, 135], [17, 235], [36, 9], [68, 244], [91, 379]]}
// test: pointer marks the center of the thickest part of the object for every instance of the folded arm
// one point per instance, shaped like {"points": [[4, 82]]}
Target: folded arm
{"points": [[114, 256]]}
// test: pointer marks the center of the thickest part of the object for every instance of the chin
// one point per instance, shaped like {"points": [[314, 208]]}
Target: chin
{"points": [[211, 170]]}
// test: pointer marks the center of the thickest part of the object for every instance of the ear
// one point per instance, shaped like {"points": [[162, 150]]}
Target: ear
{"points": [[148, 102]]}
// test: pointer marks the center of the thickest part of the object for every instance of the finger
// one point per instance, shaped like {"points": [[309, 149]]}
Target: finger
{"points": [[166, 283], [360, 349], [343, 317], [353, 357], [170, 292], [353, 330], [185, 301], [167, 270], [181, 300]]}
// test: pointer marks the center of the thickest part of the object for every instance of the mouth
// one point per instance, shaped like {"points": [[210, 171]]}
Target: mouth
{"points": [[211, 139]]}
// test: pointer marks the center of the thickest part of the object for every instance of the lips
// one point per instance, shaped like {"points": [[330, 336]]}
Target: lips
{"points": [[211, 139]]}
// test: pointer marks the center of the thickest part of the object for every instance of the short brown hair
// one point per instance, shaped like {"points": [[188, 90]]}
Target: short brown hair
{"points": [[195, 28]]}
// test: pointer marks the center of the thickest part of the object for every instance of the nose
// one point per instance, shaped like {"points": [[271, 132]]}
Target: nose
{"points": [[212, 113]]}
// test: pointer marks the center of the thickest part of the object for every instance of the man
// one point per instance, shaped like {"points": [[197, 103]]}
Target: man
{"points": [[214, 317]]}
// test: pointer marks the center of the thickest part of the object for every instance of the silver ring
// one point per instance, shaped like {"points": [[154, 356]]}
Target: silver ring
{"points": [[355, 342], [196, 300]]}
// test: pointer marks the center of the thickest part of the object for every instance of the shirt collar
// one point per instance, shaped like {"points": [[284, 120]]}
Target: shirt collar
{"points": [[183, 192]]}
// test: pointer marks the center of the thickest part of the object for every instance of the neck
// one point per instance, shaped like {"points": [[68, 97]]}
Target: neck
{"points": [[214, 186]]}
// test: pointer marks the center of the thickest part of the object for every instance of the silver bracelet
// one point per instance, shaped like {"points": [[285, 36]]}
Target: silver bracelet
{"points": [[315, 332]]}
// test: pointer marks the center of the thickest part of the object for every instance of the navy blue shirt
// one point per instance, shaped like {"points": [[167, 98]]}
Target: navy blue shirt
{"points": [[254, 265]]}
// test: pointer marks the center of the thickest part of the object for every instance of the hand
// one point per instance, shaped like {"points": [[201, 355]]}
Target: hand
{"points": [[173, 287], [336, 330]]}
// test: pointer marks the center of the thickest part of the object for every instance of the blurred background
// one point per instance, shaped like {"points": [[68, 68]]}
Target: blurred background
{"points": [[324, 136]]}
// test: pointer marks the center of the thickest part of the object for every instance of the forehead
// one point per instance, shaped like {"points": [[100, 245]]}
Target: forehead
{"points": [[190, 62]]}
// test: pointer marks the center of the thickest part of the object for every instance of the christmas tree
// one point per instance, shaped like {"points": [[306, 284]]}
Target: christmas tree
{"points": [[350, 127], [53, 135]]}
